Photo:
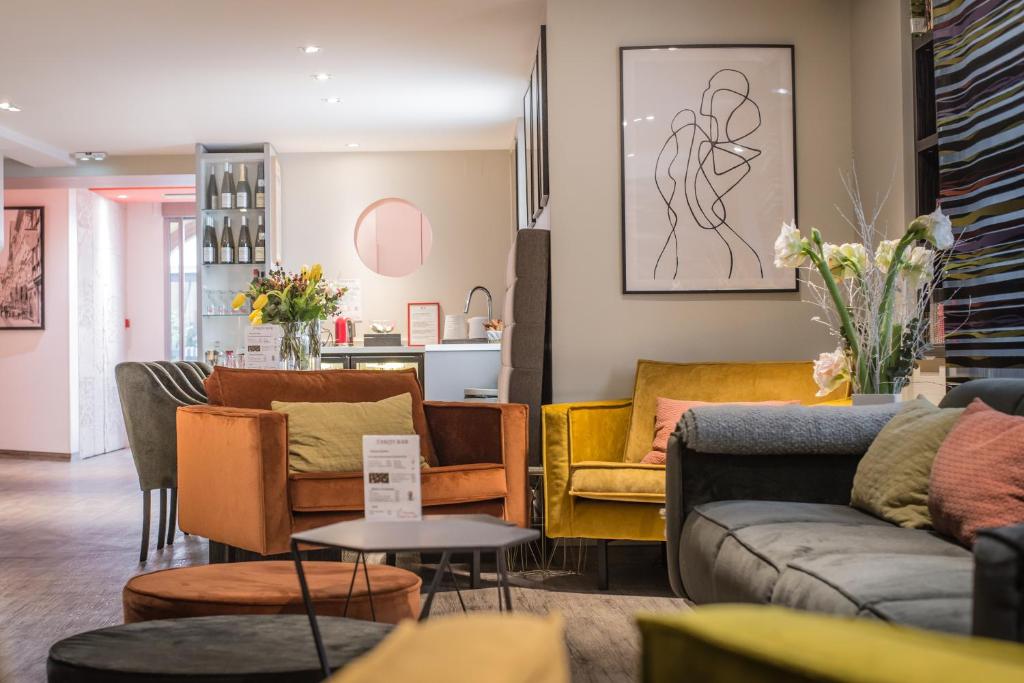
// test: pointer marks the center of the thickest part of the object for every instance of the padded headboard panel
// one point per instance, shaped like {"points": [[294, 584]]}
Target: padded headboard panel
{"points": [[525, 345]]}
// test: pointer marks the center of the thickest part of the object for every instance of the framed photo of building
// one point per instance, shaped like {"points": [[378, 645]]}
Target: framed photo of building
{"points": [[708, 160], [21, 269]]}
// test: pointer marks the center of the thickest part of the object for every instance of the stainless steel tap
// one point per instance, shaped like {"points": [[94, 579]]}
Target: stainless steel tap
{"points": [[490, 301]]}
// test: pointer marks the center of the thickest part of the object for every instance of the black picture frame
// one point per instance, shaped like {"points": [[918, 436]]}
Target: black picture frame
{"points": [[7, 302], [620, 124], [536, 190]]}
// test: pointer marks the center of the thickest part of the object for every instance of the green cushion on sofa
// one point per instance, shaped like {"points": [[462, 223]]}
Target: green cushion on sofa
{"points": [[328, 437], [892, 477], [737, 644]]}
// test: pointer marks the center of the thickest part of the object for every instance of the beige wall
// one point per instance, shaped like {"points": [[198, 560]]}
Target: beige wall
{"points": [[882, 108], [464, 195], [599, 333]]}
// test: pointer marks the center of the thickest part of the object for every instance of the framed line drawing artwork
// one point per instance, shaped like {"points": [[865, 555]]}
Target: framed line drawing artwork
{"points": [[21, 269], [708, 164]]}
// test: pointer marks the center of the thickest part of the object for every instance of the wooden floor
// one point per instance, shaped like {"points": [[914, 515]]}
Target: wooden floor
{"points": [[69, 536]]}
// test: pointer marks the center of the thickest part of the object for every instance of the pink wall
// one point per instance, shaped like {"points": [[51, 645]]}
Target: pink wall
{"points": [[145, 303], [35, 366]]}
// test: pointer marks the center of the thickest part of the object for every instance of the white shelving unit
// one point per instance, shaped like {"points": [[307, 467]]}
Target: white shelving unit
{"points": [[219, 327]]}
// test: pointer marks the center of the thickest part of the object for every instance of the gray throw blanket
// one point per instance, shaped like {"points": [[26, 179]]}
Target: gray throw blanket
{"points": [[783, 430]]}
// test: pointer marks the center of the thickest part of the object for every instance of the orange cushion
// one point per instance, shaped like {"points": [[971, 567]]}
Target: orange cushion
{"points": [[258, 388], [340, 491], [670, 411], [977, 479], [270, 588]]}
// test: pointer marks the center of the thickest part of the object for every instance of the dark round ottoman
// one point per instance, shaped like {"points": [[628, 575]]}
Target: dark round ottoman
{"points": [[271, 588], [227, 648]]}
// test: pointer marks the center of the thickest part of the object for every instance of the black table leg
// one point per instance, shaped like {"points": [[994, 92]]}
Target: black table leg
{"points": [[369, 590], [311, 612], [503, 579], [435, 584], [351, 585], [474, 571], [455, 582]]}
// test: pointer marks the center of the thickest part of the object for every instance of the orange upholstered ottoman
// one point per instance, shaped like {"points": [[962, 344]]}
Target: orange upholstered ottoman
{"points": [[271, 588]]}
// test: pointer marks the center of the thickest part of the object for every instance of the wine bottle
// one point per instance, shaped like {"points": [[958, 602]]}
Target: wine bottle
{"points": [[209, 243], [242, 191], [261, 188], [227, 243], [212, 198], [244, 241], [261, 241], [227, 188]]}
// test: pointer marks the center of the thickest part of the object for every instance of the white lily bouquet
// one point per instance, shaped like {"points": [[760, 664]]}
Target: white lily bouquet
{"points": [[878, 307]]}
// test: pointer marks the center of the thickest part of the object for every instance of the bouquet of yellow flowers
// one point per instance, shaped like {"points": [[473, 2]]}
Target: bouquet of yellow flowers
{"points": [[294, 301]]}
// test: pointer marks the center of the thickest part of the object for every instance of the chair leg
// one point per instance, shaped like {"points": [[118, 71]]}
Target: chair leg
{"points": [[602, 564], [161, 528], [172, 516], [146, 509]]}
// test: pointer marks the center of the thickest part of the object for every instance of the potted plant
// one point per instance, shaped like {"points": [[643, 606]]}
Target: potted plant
{"points": [[875, 295], [297, 302]]}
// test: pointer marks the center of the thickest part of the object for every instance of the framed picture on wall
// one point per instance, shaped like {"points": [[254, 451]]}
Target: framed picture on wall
{"points": [[528, 149], [21, 269], [708, 160]]}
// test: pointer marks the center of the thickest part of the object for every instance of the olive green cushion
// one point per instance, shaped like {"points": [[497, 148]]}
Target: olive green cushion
{"points": [[741, 644], [892, 477], [328, 437]]}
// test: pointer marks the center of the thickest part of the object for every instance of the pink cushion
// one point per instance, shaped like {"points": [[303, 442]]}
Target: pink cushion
{"points": [[670, 411], [654, 458], [977, 479]]}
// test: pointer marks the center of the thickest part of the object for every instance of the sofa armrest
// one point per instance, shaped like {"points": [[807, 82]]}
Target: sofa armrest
{"points": [[233, 477], [577, 432], [466, 433], [693, 478], [999, 583]]}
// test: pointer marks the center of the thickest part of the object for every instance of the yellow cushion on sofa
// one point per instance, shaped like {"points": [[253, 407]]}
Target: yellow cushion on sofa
{"points": [[714, 383], [328, 437], [731, 643], [497, 648], [620, 481]]}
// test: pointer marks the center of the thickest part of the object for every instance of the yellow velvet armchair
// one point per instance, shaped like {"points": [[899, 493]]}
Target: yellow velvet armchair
{"points": [[594, 483]]}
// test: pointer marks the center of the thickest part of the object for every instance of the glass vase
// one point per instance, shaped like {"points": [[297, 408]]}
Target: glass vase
{"points": [[299, 351]]}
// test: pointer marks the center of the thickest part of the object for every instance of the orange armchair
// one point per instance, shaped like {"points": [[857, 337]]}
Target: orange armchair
{"points": [[234, 486]]}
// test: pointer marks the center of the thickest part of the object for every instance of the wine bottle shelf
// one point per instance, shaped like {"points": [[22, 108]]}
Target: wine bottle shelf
{"points": [[229, 265], [239, 211]]}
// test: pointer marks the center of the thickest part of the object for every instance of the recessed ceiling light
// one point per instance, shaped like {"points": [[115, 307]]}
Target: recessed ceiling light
{"points": [[781, 91], [90, 156], [174, 195], [738, 149], [332, 100], [310, 49], [637, 120], [122, 196], [322, 76], [630, 155], [353, 145], [649, 117], [7, 106]]}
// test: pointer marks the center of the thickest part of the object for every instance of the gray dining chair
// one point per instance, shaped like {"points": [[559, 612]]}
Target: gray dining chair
{"points": [[151, 394]]}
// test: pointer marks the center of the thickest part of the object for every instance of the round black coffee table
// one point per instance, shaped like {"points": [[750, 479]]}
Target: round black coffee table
{"points": [[225, 648]]}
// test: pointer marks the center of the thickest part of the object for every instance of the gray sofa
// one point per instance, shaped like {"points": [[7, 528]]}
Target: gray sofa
{"points": [[771, 523]]}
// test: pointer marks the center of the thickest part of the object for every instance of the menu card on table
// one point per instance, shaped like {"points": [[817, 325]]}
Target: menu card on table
{"points": [[391, 478], [263, 347]]}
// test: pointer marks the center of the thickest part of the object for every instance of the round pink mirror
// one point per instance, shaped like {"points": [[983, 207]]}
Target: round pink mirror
{"points": [[393, 237]]}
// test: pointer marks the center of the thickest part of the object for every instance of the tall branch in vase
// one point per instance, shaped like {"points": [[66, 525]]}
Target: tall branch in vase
{"points": [[877, 306]]}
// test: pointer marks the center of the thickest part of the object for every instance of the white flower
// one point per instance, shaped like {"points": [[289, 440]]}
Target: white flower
{"points": [[884, 253], [937, 228], [789, 247], [846, 260], [831, 370], [919, 267]]}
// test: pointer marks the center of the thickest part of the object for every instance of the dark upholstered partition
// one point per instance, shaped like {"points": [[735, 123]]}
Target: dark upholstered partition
{"points": [[525, 345]]}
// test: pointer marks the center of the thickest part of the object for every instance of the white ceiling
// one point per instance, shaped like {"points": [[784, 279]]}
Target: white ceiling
{"points": [[147, 77]]}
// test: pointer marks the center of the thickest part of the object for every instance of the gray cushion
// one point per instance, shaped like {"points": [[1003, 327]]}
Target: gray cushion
{"points": [[828, 558], [930, 591]]}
